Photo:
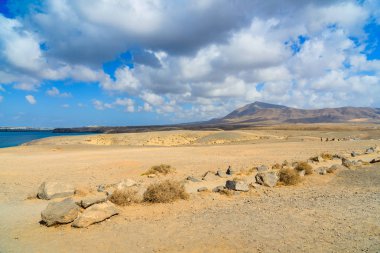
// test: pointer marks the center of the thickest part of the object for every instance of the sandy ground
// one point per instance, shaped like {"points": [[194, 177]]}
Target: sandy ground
{"points": [[332, 213]]}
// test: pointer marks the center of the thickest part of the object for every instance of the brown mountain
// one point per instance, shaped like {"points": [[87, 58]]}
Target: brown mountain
{"points": [[264, 113]]}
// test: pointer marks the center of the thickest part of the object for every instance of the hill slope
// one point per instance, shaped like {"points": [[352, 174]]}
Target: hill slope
{"points": [[260, 112]]}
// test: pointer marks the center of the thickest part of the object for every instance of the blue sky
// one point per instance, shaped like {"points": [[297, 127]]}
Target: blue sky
{"points": [[81, 63]]}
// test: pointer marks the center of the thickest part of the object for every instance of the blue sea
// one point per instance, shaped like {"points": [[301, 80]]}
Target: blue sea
{"points": [[10, 139]]}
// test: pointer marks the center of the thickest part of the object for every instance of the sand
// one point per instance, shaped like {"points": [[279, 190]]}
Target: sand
{"points": [[332, 213]]}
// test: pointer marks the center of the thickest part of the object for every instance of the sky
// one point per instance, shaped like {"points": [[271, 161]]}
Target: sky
{"points": [[146, 62]]}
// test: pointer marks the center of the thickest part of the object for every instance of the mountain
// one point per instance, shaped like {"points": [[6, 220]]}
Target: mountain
{"points": [[264, 113]]}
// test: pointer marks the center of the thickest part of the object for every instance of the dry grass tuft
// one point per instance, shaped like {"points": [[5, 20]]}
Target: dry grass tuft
{"points": [[124, 197], [277, 166], [289, 176], [164, 192], [160, 169], [304, 166], [327, 156]]}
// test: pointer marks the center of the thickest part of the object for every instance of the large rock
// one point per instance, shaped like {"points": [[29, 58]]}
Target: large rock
{"points": [[210, 176], [237, 185], [51, 190], [267, 178], [370, 150], [61, 212], [94, 214], [94, 199]]}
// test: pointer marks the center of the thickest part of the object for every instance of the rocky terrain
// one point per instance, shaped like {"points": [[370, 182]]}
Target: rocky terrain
{"points": [[237, 199]]}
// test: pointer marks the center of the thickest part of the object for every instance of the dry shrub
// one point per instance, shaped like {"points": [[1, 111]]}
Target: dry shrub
{"points": [[304, 166], [160, 169], [289, 176], [327, 156], [276, 166], [164, 192], [124, 197]]}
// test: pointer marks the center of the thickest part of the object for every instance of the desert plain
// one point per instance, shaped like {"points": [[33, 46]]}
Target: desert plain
{"points": [[336, 212]]}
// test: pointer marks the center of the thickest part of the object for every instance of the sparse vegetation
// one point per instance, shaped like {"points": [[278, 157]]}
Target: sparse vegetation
{"points": [[160, 169], [327, 156], [289, 176], [164, 192], [276, 166], [304, 166], [124, 197]]}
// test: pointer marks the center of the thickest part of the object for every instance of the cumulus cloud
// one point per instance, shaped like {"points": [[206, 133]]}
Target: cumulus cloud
{"points": [[198, 59], [31, 100]]}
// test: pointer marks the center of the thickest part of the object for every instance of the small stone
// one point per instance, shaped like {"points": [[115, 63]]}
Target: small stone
{"points": [[354, 154], [193, 179], [237, 185], [51, 190], [301, 173], [267, 178], [125, 184], [221, 174], [347, 163], [370, 150], [335, 167], [202, 189], [94, 214], [262, 168], [230, 171], [210, 176], [375, 160], [101, 188], [321, 170], [62, 212], [151, 175]]}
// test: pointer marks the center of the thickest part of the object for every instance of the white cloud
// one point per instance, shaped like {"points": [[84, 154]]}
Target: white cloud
{"points": [[65, 106], [99, 105], [54, 92], [31, 100], [1, 98], [125, 102]]}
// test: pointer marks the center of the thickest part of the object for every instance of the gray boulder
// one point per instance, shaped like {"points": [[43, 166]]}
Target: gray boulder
{"points": [[210, 176], [193, 179], [237, 185], [321, 170], [94, 199], [267, 178], [221, 174], [62, 212], [94, 214], [51, 190], [262, 168], [346, 163]]}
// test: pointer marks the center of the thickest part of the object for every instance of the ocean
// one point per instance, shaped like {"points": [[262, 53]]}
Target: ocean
{"points": [[10, 139]]}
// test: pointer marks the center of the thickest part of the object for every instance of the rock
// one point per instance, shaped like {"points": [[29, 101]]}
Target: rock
{"points": [[237, 185], [335, 167], [301, 173], [321, 170], [262, 168], [101, 188], [221, 174], [230, 171], [51, 190], [375, 160], [267, 178], [370, 150], [202, 189], [218, 188], [125, 184], [346, 163], [193, 179], [94, 214], [354, 154], [94, 199], [320, 159], [209, 176], [62, 212], [151, 175]]}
